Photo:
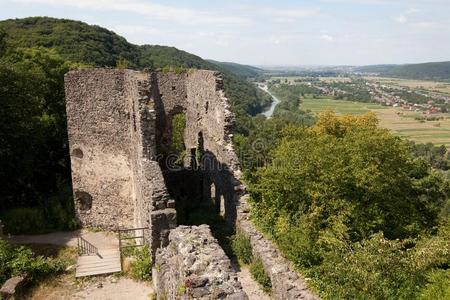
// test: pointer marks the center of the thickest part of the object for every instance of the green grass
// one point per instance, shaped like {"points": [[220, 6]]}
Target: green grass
{"points": [[402, 123], [339, 106]]}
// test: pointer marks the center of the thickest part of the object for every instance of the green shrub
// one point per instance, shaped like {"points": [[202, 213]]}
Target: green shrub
{"points": [[25, 220], [20, 260], [376, 268], [363, 221], [178, 127], [438, 287], [55, 213], [35, 220], [260, 275], [242, 247], [141, 268]]}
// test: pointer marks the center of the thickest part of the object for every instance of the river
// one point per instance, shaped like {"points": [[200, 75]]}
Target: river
{"points": [[269, 112]]}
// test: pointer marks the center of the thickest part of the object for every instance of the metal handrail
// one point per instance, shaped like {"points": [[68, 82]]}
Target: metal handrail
{"points": [[122, 231], [86, 248]]}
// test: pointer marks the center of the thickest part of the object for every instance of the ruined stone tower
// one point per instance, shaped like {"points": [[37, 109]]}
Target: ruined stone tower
{"points": [[118, 120], [119, 127]]}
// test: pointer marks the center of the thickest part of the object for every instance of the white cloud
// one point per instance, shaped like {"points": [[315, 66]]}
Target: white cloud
{"points": [[294, 13], [402, 19], [412, 11], [159, 11], [327, 38]]}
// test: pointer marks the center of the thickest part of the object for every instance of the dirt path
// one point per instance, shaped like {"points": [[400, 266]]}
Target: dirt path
{"points": [[95, 288], [124, 288], [250, 286], [102, 240]]}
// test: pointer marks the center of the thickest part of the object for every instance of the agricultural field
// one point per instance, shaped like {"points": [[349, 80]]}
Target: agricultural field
{"points": [[291, 79], [442, 87], [401, 122]]}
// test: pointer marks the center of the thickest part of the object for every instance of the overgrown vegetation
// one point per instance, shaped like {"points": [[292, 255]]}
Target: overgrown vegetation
{"points": [[34, 160], [259, 274], [353, 209], [20, 260], [178, 127], [242, 247], [141, 267]]}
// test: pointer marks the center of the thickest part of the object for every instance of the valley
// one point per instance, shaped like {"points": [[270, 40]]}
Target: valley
{"points": [[414, 109]]}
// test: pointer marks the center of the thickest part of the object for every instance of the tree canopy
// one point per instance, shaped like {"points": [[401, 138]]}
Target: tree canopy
{"points": [[344, 185]]}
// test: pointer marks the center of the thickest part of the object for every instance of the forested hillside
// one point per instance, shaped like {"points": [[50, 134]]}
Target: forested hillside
{"points": [[439, 71], [90, 44], [243, 71]]}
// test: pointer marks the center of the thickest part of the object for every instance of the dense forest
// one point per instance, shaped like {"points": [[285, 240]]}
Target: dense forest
{"points": [[439, 71], [243, 71], [359, 211]]}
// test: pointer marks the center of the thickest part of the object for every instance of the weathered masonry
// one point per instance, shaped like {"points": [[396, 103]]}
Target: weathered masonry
{"points": [[118, 122], [121, 129]]}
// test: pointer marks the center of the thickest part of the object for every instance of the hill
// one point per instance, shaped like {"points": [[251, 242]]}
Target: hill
{"points": [[243, 71], [79, 42], [439, 71]]}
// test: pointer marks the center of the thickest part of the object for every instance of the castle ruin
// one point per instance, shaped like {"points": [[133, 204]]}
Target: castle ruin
{"points": [[120, 128]]}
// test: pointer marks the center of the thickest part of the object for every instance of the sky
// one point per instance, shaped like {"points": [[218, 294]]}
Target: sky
{"points": [[282, 32]]}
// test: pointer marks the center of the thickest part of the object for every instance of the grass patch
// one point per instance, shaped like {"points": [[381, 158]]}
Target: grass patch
{"points": [[259, 274], [141, 267], [242, 247]]}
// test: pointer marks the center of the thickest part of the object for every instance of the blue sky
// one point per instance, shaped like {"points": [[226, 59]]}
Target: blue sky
{"points": [[283, 32]]}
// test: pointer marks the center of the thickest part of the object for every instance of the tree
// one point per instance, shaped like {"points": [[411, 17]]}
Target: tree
{"points": [[33, 148], [345, 172]]}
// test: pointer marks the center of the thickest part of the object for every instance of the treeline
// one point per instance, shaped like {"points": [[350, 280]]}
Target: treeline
{"points": [[289, 108], [426, 71]]}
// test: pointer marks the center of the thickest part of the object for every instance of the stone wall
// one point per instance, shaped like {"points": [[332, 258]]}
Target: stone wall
{"points": [[286, 283], [209, 121], [112, 128], [99, 147], [194, 266]]}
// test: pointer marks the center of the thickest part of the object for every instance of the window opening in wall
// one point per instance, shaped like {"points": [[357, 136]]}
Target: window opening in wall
{"points": [[84, 200], [77, 152]]}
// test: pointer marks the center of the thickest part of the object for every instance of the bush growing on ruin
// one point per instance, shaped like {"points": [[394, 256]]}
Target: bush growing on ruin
{"points": [[122, 64], [259, 274], [178, 127], [242, 247], [141, 267], [20, 260]]}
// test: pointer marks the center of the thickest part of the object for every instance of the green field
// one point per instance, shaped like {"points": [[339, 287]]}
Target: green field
{"points": [[401, 122], [339, 106]]}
